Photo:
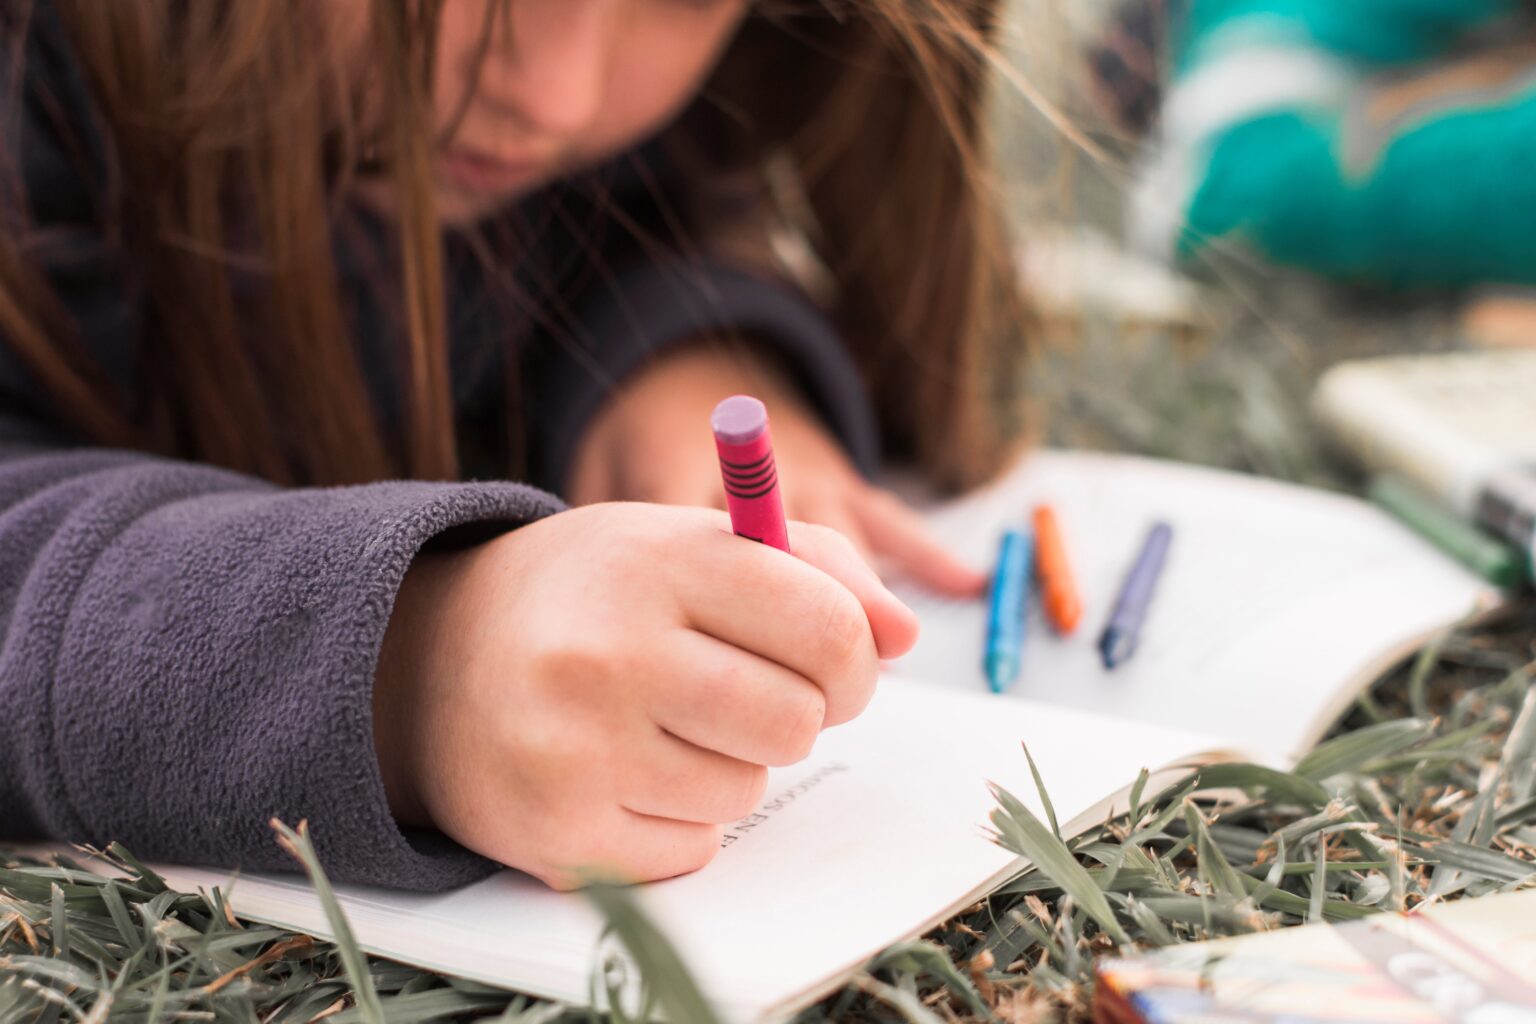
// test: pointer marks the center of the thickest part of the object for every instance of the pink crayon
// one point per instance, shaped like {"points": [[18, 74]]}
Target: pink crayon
{"points": [[746, 466]]}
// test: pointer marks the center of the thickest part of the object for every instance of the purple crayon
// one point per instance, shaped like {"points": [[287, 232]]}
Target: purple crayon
{"points": [[746, 466], [1118, 641]]}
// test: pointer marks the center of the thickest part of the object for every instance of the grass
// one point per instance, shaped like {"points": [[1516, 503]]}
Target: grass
{"points": [[1425, 793]]}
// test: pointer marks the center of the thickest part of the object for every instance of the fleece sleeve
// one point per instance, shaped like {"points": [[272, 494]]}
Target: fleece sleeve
{"points": [[186, 653], [651, 306]]}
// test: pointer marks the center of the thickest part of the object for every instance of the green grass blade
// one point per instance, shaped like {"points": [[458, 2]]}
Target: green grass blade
{"points": [[1418, 678], [1171, 810], [1290, 903], [421, 1007], [919, 957], [1518, 759], [1020, 831], [1045, 797], [1486, 864], [59, 924], [661, 968], [1351, 750], [1255, 778], [1134, 816], [297, 843], [1319, 883], [1151, 925], [112, 895], [1275, 876], [1212, 864], [903, 1002]]}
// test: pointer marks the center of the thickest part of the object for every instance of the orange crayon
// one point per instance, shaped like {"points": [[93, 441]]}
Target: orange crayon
{"points": [[1058, 590]]}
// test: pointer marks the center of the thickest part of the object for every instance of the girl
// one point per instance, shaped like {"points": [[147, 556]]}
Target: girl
{"points": [[280, 281]]}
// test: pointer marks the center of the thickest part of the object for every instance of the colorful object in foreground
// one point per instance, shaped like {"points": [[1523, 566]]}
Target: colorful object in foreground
{"points": [[1118, 641], [747, 468], [1472, 960], [1058, 589], [1005, 620], [1493, 560]]}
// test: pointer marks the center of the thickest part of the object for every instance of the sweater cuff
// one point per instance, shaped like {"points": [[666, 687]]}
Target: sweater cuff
{"points": [[215, 668], [654, 306]]}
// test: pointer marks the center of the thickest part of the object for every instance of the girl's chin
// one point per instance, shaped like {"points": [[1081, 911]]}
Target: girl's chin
{"points": [[459, 210], [456, 207]]}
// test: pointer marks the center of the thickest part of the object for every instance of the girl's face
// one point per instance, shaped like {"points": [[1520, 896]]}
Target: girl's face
{"points": [[563, 84]]}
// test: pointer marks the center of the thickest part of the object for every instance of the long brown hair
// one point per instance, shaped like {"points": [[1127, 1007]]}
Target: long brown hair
{"points": [[234, 129]]}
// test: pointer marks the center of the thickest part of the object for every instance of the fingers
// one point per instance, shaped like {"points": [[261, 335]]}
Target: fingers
{"points": [[836, 515], [892, 623], [682, 782], [735, 703], [684, 491], [895, 531], [622, 846], [670, 799], [822, 614]]}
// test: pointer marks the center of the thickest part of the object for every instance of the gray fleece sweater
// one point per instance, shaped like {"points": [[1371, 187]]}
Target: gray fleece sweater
{"points": [[186, 652]]}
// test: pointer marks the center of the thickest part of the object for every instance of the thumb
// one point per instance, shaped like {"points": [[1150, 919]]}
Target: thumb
{"points": [[893, 625]]}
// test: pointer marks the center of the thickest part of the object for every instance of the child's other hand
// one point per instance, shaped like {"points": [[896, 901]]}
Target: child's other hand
{"points": [[652, 443], [602, 689]]}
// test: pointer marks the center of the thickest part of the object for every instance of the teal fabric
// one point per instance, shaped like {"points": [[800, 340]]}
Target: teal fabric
{"points": [[1378, 31], [1434, 211], [1449, 198], [1274, 183]]}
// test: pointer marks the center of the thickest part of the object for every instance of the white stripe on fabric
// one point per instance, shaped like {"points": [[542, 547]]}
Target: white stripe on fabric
{"points": [[1244, 83]]}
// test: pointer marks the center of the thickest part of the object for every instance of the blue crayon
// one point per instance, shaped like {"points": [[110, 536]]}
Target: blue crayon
{"points": [[1005, 621], [1118, 640]]}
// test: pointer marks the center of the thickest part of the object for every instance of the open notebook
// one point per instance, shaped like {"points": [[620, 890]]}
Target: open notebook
{"points": [[1279, 604], [1276, 606]]}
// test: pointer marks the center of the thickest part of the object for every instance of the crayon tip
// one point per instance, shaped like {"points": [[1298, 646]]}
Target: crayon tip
{"points": [[1115, 646], [1002, 670], [740, 419], [1064, 616]]}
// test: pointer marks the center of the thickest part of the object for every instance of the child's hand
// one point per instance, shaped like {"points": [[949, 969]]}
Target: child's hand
{"points": [[652, 443], [602, 689]]}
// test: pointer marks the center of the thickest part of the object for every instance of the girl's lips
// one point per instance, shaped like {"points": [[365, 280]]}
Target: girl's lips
{"points": [[480, 172]]}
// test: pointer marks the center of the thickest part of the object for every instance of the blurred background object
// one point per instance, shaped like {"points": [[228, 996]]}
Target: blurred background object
{"points": [[1354, 183]]}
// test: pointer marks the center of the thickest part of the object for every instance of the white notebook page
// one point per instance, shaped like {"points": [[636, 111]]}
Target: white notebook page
{"points": [[1276, 603], [874, 838]]}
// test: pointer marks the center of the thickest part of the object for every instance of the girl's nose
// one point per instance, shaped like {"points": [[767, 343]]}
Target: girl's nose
{"points": [[551, 69]]}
